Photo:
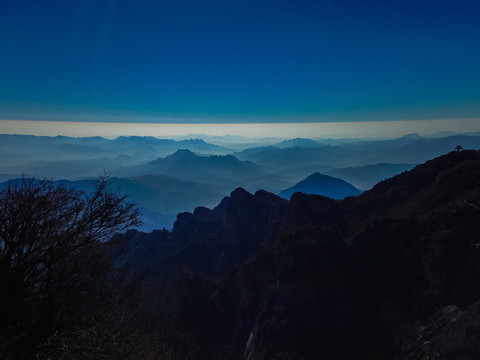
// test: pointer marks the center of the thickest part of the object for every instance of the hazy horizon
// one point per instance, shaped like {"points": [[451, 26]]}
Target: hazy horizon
{"points": [[263, 62], [364, 129]]}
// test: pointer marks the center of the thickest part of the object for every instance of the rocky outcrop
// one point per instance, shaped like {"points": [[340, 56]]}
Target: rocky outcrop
{"points": [[452, 333]]}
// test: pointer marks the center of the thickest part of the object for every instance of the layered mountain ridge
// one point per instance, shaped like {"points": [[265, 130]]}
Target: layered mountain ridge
{"points": [[269, 164]]}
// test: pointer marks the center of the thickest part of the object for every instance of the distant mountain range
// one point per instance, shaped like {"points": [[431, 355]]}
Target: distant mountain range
{"points": [[222, 170], [298, 142], [366, 176], [288, 161], [205, 172], [408, 149], [26, 148]]}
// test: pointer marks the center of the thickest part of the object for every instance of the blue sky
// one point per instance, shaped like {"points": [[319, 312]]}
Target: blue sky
{"points": [[244, 60]]}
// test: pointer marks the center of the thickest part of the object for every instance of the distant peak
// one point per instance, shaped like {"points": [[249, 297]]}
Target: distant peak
{"points": [[194, 141], [320, 184], [319, 176], [183, 154], [298, 142], [239, 193]]}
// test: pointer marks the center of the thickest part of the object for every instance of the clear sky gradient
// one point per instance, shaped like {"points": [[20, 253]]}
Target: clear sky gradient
{"points": [[239, 61]]}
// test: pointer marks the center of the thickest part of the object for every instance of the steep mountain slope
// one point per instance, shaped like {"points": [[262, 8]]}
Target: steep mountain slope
{"points": [[391, 274], [319, 184]]}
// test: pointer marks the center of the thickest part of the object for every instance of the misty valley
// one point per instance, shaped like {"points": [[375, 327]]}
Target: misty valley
{"points": [[240, 248], [165, 176]]}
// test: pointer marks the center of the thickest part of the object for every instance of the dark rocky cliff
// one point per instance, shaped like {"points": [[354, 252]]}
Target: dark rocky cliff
{"points": [[391, 274]]}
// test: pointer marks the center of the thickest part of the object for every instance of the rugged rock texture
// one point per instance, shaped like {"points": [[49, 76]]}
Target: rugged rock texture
{"points": [[391, 274]]}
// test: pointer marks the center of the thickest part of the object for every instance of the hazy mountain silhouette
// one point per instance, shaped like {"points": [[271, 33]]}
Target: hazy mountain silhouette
{"points": [[23, 151], [72, 169], [275, 157], [224, 170], [163, 147], [366, 176], [297, 142], [272, 168], [322, 185], [408, 149]]}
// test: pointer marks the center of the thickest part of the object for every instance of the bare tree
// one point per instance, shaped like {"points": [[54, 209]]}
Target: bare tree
{"points": [[52, 238]]}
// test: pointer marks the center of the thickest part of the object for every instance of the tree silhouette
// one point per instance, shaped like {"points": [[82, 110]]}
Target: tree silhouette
{"points": [[459, 147], [52, 251]]}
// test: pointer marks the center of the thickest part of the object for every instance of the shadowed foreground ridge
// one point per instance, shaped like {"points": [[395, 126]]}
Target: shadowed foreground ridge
{"points": [[391, 274]]}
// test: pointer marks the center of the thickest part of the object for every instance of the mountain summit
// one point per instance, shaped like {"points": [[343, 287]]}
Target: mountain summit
{"points": [[319, 184]]}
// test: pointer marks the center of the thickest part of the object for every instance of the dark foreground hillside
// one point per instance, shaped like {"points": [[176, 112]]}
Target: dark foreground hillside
{"points": [[391, 274]]}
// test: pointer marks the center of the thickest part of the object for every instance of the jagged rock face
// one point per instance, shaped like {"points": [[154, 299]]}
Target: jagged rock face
{"points": [[212, 241], [314, 278], [451, 333], [314, 306]]}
